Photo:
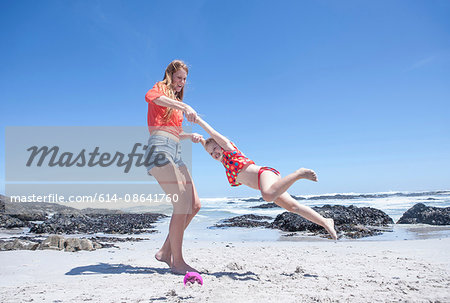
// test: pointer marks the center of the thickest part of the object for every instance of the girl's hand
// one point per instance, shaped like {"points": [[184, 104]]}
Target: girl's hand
{"points": [[196, 138], [190, 113]]}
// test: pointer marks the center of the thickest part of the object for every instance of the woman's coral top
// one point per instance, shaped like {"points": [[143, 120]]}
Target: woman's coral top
{"points": [[155, 115]]}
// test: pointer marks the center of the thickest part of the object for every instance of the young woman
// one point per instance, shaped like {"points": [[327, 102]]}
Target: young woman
{"points": [[165, 117], [242, 170]]}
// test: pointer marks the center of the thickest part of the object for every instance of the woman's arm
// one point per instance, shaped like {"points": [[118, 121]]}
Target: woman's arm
{"points": [[188, 111], [218, 137], [194, 137]]}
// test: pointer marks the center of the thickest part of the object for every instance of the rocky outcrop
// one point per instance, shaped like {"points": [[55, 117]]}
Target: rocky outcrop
{"points": [[420, 213], [266, 205], [245, 221], [95, 223], [53, 218], [17, 244], [350, 221], [53, 242], [75, 244], [253, 200], [38, 208], [58, 242], [7, 221], [2, 204]]}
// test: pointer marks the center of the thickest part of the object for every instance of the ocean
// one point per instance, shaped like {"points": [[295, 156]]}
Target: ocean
{"points": [[393, 204]]}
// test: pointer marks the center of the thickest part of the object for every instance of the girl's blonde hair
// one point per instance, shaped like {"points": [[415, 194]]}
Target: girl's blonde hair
{"points": [[172, 68], [209, 141]]}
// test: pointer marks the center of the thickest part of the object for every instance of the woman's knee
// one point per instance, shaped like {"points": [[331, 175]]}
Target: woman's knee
{"points": [[197, 206]]}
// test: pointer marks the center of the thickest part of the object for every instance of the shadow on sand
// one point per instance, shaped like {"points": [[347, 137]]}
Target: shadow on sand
{"points": [[105, 268], [245, 276]]}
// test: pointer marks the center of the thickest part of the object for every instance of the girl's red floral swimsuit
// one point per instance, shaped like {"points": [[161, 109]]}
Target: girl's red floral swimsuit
{"points": [[234, 161]]}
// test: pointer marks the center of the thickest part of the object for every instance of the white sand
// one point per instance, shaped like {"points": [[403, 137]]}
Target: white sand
{"points": [[354, 271]]}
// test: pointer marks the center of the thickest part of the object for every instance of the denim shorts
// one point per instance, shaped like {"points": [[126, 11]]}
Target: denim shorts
{"points": [[163, 150]]}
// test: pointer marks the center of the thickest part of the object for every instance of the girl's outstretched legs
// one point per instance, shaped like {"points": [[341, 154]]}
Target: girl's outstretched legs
{"points": [[287, 202], [272, 186]]}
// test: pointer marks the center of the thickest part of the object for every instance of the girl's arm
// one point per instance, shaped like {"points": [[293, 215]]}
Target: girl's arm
{"points": [[188, 111], [218, 137]]}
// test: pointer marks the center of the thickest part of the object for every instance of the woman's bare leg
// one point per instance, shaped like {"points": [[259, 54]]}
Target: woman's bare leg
{"points": [[173, 182], [165, 253], [274, 188], [290, 204]]}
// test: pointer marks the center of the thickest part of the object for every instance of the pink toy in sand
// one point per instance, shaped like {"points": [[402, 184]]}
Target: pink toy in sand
{"points": [[192, 278]]}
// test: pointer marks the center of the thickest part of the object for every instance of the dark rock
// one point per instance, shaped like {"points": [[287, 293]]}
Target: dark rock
{"points": [[351, 221], [266, 205], [38, 208], [420, 213], [104, 211], [2, 204], [246, 221], [371, 196], [288, 221], [253, 200], [298, 197], [355, 215], [94, 223], [262, 200], [30, 217], [7, 221]]}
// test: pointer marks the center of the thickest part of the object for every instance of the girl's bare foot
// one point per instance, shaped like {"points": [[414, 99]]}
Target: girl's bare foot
{"points": [[329, 226], [162, 256], [305, 173], [182, 269]]}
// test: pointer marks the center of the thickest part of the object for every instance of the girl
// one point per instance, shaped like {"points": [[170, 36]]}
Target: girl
{"points": [[165, 117], [242, 170]]}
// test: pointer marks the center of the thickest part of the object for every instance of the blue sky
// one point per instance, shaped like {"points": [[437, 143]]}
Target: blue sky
{"points": [[356, 90]]}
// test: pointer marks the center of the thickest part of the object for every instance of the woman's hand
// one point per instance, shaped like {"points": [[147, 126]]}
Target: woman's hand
{"points": [[190, 113], [196, 138]]}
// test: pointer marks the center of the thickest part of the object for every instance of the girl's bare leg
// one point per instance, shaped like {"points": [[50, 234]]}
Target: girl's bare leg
{"points": [[287, 202], [173, 182], [272, 189], [165, 253]]}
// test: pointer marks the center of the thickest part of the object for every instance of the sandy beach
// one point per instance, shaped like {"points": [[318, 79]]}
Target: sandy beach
{"points": [[281, 271]]}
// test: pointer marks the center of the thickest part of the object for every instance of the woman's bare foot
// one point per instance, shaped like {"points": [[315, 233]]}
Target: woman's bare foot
{"points": [[329, 226], [305, 173], [162, 256], [182, 269]]}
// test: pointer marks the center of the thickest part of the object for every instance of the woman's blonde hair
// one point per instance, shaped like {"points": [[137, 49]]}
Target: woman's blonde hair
{"points": [[172, 68]]}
